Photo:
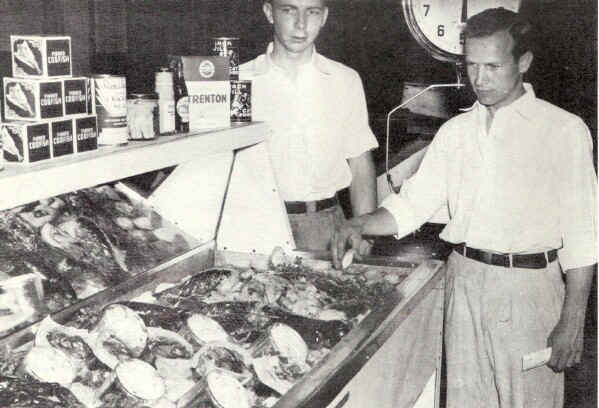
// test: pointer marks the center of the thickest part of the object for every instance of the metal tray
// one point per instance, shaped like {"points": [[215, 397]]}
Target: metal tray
{"points": [[329, 376]]}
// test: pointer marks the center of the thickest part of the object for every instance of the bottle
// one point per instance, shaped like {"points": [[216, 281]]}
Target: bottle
{"points": [[164, 87], [181, 100]]}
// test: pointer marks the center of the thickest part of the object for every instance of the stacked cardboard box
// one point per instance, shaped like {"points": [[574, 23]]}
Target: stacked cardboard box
{"points": [[48, 113]]}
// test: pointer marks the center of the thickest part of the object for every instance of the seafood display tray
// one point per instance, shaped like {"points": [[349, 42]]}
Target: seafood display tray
{"points": [[330, 377]]}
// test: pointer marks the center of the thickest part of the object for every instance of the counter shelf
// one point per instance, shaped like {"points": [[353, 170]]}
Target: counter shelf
{"points": [[22, 184]]}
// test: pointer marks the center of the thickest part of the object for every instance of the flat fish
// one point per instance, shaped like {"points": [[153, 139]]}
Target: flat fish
{"points": [[158, 316], [200, 284], [241, 320], [316, 333], [84, 243]]}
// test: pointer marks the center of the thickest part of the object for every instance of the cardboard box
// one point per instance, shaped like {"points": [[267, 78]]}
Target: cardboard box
{"points": [[36, 56], [76, 94], [86, 133], [208, 86], [32, 99], [61, 138], [25, 142]]}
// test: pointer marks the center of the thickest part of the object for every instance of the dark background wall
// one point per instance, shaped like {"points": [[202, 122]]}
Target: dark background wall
{"points": [[133, 37]]}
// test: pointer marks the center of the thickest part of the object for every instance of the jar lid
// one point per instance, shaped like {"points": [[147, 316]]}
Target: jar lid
{"points": [[143, 96]]}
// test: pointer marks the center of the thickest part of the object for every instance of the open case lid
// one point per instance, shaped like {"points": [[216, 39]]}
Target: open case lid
{"points": [[230, 197]]}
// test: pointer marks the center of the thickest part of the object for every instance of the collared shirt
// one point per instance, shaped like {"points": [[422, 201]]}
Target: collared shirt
{"points": [[525, 185], [318, 120]]}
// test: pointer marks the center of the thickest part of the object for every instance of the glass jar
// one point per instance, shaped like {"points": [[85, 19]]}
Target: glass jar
{"points": [[142, 116]]}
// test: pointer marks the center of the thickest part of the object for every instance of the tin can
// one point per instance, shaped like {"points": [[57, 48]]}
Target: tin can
{"points": [[110, 97], [228, 47], [241, 101]]}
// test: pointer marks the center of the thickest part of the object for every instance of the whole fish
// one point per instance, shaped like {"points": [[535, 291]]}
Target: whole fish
{"points": [[316, 333]]}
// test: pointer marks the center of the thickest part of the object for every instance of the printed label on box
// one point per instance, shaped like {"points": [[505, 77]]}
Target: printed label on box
{"points": [[205, 68], [20, 100], [58, 55], [12, 143], [86, 133], [62, 138], [27, 57], [38, 142], [75, 96], [50, 99], [209, 105]]}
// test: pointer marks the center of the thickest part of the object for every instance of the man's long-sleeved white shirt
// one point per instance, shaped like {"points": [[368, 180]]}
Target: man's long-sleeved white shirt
{"points": [[525, 185]]}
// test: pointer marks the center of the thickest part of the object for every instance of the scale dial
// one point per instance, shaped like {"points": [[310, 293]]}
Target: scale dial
{"points": [[437, 24]]}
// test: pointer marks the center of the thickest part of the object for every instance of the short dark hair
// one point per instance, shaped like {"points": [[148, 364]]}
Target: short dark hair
{"points": [[491, 21], [324, 2]]}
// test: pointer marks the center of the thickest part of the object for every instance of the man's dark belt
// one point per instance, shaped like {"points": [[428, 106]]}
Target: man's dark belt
{"points": [[302, 207], [530, 261]]}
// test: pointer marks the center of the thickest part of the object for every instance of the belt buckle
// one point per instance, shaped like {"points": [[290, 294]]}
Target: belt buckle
{"points": [[311, 206]]}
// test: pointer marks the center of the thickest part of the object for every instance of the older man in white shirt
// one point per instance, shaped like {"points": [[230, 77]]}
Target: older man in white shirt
{"points": [[517, 176], [320, 140]]}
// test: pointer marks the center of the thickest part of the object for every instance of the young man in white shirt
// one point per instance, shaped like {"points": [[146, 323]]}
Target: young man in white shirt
{"points": [[320, 140], [517, 176]]}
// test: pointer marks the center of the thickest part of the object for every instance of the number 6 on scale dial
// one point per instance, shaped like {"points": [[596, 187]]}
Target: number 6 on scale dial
{"points": [[437, 24]]}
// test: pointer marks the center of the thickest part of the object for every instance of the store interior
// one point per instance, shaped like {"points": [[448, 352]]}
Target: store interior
{"points": [[134, 37]]}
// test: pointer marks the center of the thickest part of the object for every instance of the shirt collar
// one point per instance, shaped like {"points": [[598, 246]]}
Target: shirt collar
{"points": [[264, 62], [524, 105]]}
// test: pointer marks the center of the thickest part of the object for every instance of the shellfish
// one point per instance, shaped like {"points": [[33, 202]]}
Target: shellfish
{"points": [[206, 330], [119, 334], [139, 379]]}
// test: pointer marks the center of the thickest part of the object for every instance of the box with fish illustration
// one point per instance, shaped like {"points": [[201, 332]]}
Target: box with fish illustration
{"points": [[35, 56], [32, 99], [86, 133], [25, 142]]}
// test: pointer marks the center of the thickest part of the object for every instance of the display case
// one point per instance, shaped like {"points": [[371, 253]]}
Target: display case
{"points": [[223, 194]]}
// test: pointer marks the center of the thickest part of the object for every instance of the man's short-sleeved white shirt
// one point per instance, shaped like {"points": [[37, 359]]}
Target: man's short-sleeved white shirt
{"points": [[317, 121]]}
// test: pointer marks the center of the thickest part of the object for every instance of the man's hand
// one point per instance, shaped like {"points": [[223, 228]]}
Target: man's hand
{"points": [[365, 247], [566, 341], [347, 235], [567, 337]]}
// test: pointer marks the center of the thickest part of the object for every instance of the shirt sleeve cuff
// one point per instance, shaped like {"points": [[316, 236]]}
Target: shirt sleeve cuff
{"points": [[400, 210], [362, 144], [569, 260]]}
